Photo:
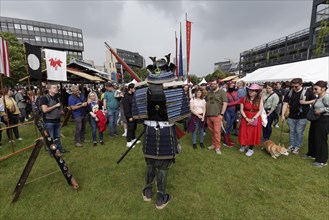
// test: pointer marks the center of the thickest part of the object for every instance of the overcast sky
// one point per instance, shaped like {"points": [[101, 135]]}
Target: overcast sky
{"points": [[221, 30]]}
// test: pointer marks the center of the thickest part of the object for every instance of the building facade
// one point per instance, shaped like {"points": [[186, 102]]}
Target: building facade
{"points": [[309, 43], [45, 35], [132, 59]]}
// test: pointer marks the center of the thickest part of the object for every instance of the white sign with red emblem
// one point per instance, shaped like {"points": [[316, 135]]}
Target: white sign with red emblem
{"points": [[56, 65]]}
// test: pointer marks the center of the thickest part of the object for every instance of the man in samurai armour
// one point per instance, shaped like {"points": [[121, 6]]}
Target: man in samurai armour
{"points": [[163, 108]]}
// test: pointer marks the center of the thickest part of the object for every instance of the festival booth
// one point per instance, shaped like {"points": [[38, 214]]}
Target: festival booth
{"points": [[309, 70]]}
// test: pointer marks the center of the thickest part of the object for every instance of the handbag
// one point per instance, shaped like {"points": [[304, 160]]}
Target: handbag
{"points": [[254, 123], [311, 116], [12, 108], [264, 118]]}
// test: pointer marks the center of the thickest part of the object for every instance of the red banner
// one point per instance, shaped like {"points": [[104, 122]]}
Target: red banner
{"points": [[188, 43], [176, 60]]}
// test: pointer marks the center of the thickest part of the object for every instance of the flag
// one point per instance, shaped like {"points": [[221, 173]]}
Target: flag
{"points": [[33, 59], [188, 43], [4, 58], [56, 65], [176, 60], [180, 72]]}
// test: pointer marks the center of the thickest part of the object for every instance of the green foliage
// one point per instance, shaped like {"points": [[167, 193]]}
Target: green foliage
{"points": [[16, 59], [204, 185], [141, 73], [194, 79], [322, 34]]}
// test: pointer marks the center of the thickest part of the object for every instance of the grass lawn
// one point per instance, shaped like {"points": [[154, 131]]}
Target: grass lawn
{"points": [[203, 184]]}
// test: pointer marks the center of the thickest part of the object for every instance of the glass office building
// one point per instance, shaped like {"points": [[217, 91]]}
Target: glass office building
{"points": [[45, 35], [310, 43]]}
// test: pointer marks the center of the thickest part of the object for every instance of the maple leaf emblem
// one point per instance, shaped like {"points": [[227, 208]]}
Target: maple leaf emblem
{"points": [[55, 63]]}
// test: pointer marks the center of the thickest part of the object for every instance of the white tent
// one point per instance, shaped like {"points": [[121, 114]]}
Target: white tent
{"points": [[133, 81], [309, 70], [203, 81]]}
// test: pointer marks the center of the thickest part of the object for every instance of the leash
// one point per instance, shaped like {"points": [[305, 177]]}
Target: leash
{"points": [[281, 133]]}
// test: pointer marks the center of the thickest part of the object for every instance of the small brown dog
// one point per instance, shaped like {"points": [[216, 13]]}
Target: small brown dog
{"points": [[275, 150]]}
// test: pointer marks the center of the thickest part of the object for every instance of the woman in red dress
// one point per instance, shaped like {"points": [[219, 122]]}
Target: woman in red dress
{"points": [[251, 108]]}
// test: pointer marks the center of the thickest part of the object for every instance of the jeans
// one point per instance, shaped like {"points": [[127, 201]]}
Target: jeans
{"points": [[94, 128], [13, 120], [267, 131], [230, 116], [80, 128], [113, 119], [201, 130], [54, 130], [131, 129], [296, 133]]}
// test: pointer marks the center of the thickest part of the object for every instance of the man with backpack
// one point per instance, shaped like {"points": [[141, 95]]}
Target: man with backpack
{"points": [[51, 111], [298, 100]]}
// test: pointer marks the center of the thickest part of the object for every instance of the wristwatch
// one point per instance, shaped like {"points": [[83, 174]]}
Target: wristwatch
{"points": [[221, 114]]}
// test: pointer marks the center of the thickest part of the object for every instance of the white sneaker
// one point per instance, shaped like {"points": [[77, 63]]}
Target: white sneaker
{"points": [[124, 134], [242, 149], [250, 153], [132, 141], [211, 147], [19, 139], [277, 126], [218, 151], [296, 151], [290, 148]]}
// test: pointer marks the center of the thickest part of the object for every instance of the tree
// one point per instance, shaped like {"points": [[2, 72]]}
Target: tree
{"points": [[194, 79], [141, 73], [16, 59]]}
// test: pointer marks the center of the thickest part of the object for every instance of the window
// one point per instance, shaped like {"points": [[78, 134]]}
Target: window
{"points": [[17, 26], [75, 34], [43, 39], [80, 44], [75, 43], [54, 31], [37, 38], [42, 30], [48, 30], [59, 31], [60, 41], [30, 27], [55, 40], [3, 25], [65, 33], [69, 33], [10, 25], [50, 40], [70, 42], [66, 42], [36, 29], [79, 35]]}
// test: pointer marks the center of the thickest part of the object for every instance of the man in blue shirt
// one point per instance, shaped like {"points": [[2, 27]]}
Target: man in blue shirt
{"points": [[78, 104], [111, 107]]}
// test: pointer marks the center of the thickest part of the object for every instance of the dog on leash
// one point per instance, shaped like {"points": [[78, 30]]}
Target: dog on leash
{"points": [[275, 150]]}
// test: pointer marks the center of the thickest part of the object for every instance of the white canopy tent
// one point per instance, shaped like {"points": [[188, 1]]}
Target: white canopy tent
{"points": [[309, 70], [203, 81]]}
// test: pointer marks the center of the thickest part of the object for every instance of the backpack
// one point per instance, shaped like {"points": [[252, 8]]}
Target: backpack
{"points": [[302, 95]]}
